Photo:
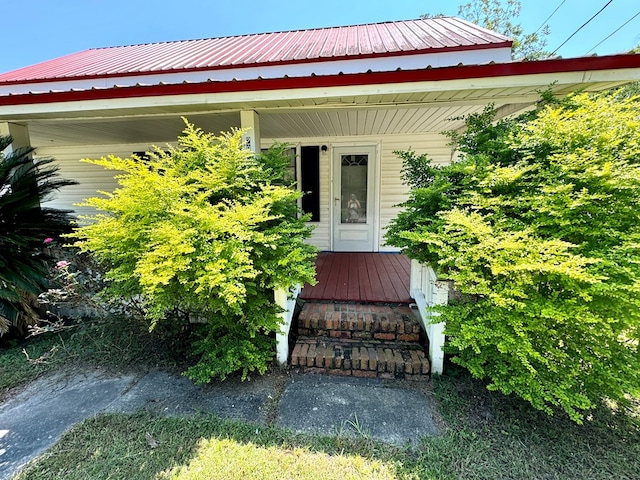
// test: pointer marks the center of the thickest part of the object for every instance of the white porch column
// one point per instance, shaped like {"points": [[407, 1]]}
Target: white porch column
{"points": [[249, 119], [20, 134]]}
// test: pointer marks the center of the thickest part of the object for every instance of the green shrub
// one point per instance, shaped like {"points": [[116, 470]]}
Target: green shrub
{"points": [[27, 228], [539, 226], [203, 233]]}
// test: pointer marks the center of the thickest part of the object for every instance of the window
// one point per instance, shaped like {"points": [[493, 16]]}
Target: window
{"points": [[307, 178], [353, 174], [310, 180], [290, 175]]}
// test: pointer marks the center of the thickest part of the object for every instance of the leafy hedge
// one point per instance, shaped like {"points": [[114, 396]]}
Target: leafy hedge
{"points": [[204, 233], [538, 224]]}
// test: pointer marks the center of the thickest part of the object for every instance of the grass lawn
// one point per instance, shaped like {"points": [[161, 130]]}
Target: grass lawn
{"points": [[487, 435]]}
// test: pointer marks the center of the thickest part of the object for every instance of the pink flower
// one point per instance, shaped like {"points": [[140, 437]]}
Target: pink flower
{"points": [[48, 240], [62, 264]]}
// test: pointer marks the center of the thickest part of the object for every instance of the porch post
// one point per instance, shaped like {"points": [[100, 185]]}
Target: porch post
{"points": [[20, 134], [282, 337], [250, 120]]}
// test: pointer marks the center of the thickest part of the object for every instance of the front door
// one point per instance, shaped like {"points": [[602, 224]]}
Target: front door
{"points": [[354, 199]]}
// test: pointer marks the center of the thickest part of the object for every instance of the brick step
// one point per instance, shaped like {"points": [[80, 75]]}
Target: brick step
{"points": [[359, 321], [400, 360]]}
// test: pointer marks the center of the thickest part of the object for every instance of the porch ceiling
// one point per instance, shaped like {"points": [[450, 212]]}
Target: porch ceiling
{"points": [[275, 125], [408, 112]]}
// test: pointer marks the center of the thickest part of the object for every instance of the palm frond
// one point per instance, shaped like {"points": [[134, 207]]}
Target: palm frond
{"points": [[25, 184]]}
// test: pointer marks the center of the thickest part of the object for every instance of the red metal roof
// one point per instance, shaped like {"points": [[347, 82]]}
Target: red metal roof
{"points": [[302, 46], [557, 65]]}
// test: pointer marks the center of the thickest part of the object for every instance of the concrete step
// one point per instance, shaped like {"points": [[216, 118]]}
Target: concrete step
{"points": [[391, 323], [371, 359]]}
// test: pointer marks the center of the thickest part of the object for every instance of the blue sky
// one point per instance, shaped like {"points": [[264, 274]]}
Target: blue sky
{"points": [[38, 30]]}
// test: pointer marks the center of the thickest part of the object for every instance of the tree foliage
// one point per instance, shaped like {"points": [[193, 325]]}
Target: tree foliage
{"points": [[27, 225], [539, 227], [204, 233], [500, 16]]}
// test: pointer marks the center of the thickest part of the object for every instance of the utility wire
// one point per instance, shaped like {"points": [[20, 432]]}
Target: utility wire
{"points": [[612, 33], [549, 17], [581, 27]]}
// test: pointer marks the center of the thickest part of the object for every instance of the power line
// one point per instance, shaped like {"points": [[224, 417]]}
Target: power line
{"points": [[549, 17], [613, 33], [581, 27]]}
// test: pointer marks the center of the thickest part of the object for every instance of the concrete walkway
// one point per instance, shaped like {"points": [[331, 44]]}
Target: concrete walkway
{"points": [[32, 420]]}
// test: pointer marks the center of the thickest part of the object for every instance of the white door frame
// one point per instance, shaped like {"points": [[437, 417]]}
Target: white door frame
{"points": [[356, 237]]}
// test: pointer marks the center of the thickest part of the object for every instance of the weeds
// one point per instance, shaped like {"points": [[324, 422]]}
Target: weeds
{"points": [[356, 426], [114, 343]]}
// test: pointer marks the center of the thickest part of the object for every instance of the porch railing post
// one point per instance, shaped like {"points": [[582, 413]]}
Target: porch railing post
{"points": [[437, 337], [415, 279], [428, 291], [287, 301]]}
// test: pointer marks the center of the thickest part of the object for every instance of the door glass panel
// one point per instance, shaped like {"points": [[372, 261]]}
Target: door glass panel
{"points": [[353, 188]]}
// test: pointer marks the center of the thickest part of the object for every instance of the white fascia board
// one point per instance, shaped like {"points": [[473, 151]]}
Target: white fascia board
{"points": [[286, 95], [382, 64]]}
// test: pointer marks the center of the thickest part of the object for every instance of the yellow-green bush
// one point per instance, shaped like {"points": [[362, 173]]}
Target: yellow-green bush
{"points": [[539, 226], [204, 233]]}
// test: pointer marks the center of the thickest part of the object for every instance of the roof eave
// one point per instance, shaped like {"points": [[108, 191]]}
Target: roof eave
{"points": [[464, 72]]}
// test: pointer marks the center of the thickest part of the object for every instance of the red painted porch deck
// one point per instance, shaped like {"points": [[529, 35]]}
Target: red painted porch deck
{"points": [[360, 277]]}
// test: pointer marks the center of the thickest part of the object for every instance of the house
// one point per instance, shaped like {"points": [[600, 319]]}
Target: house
{"points": [[345, 98]]}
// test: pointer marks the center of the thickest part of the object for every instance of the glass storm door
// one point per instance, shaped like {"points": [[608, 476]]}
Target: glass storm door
{"points": [[354, 199]]}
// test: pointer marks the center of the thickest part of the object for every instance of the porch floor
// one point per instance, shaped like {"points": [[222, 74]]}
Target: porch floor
{"points": [[360, 277]]}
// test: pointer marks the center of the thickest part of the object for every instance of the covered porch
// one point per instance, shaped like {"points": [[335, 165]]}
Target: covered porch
{"points": [[336, 122]]}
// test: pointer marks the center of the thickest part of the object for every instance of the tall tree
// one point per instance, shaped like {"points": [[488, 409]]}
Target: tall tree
{"points": [[501, 16]]}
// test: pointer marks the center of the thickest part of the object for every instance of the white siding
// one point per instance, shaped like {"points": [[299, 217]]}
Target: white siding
{"points": [[91, 178], [322, 230], [392, 191]]}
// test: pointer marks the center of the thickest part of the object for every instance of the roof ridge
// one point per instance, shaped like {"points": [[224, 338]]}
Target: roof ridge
{"points": [[314, 29]]}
